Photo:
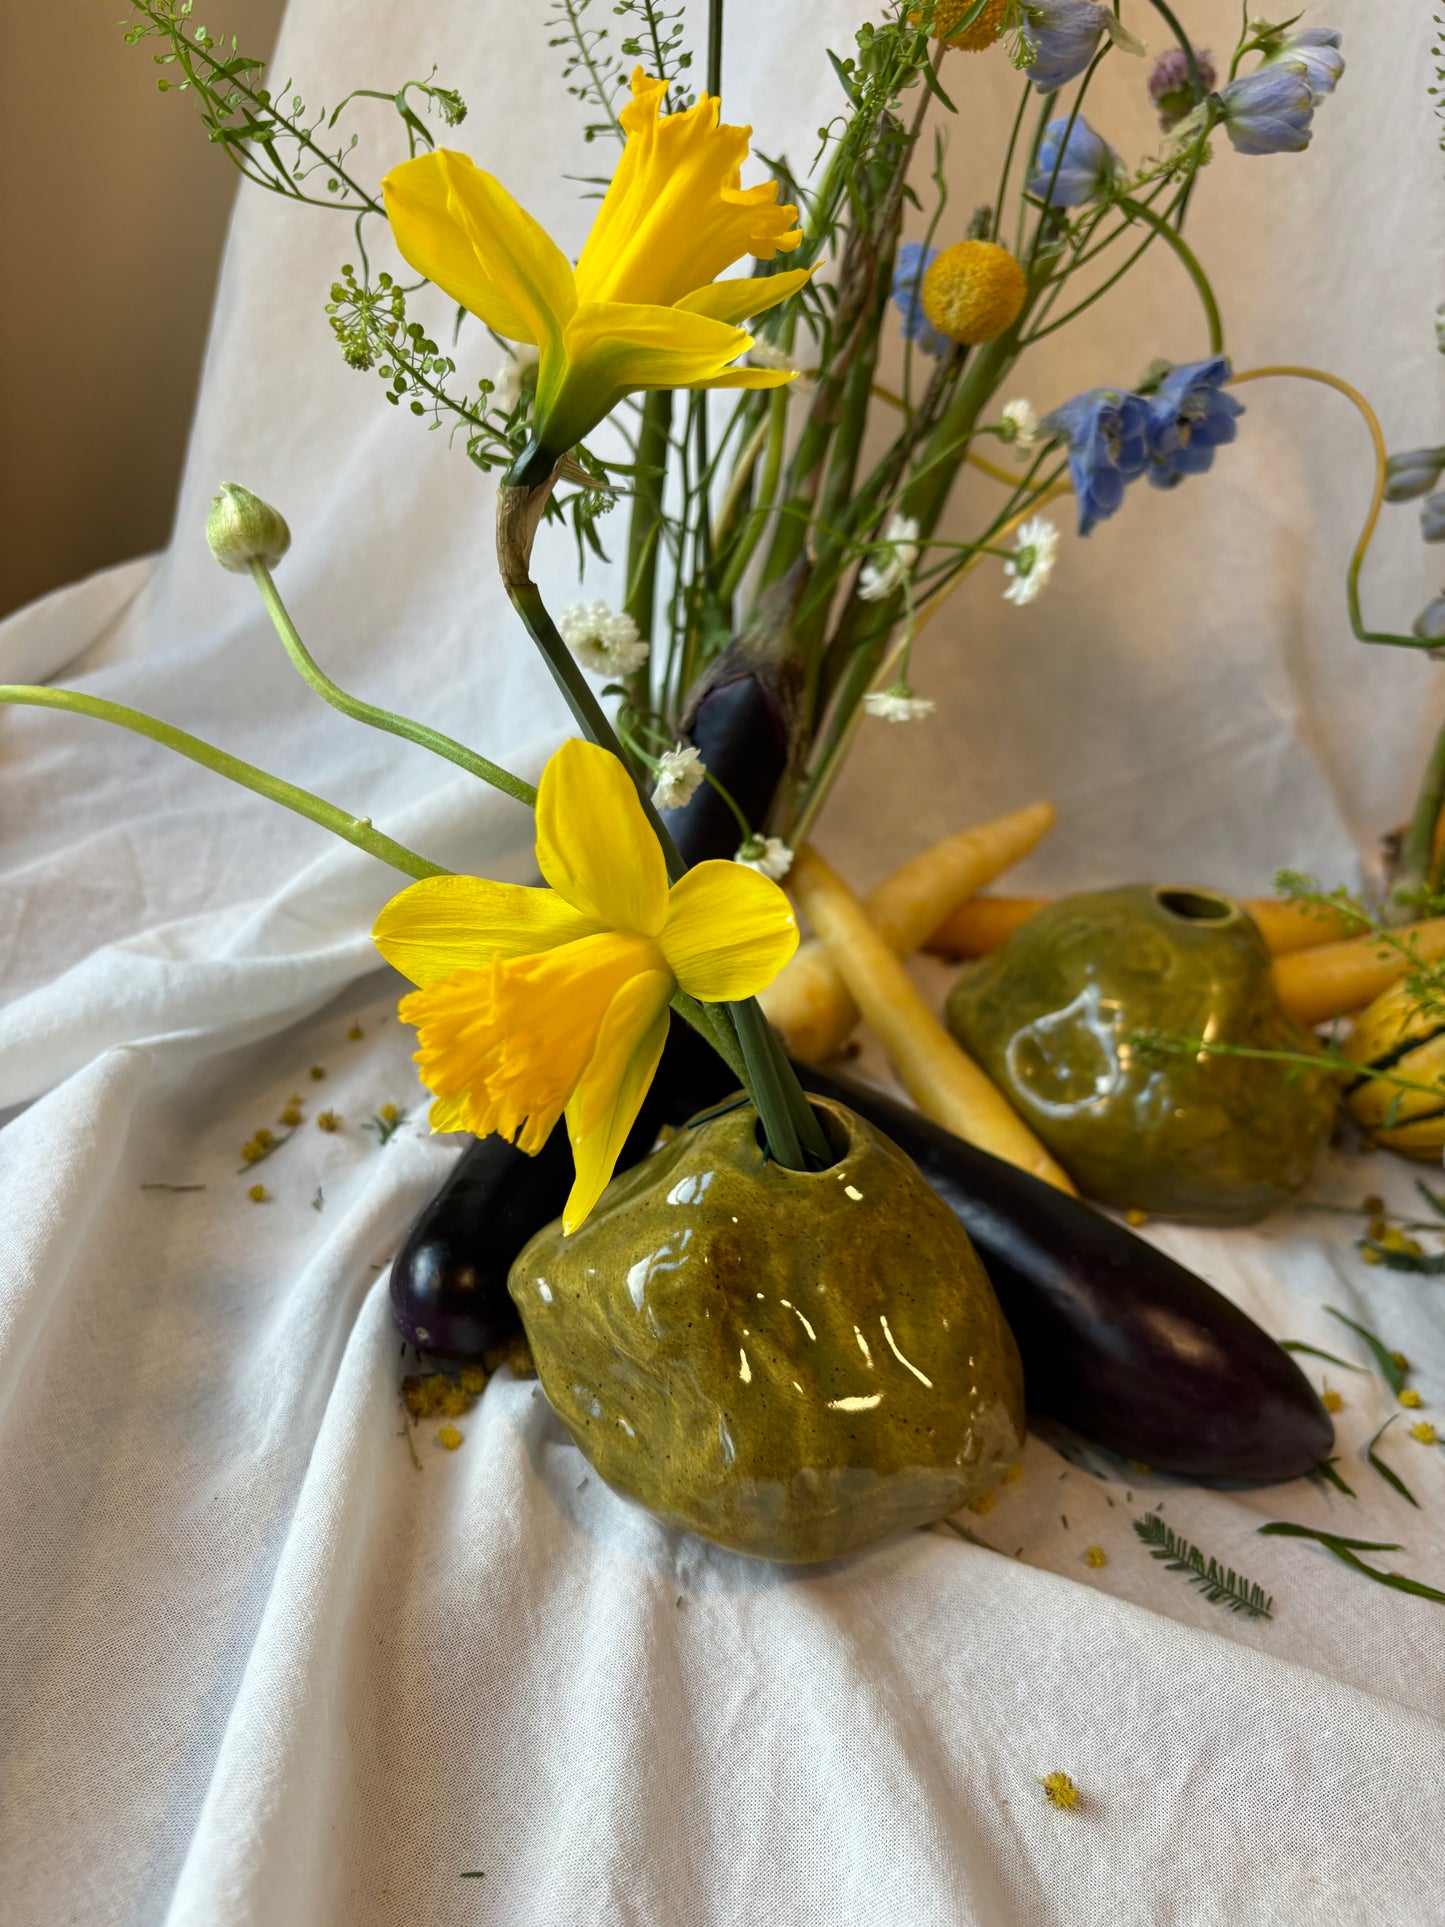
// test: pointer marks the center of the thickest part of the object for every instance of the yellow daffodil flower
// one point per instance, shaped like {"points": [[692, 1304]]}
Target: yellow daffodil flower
{"points": [[535, 1002], [643, 308]]}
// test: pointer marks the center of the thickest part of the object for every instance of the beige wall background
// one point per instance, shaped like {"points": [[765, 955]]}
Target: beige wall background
{"points": [[111, 230]]}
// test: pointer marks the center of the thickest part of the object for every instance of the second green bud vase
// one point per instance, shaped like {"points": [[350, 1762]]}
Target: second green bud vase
{"points": [[1054, 1017], [793, 1364]]}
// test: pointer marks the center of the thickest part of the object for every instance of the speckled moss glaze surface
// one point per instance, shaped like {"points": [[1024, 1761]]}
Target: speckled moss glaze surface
{"points": [[1051, 1017], [793, 1365]]}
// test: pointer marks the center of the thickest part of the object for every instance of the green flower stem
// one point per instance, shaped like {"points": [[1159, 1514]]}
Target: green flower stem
{"points": [[714, 46], [1163, 230], [645, 528], [351, 829], [591, 717], [1418, 850], [710, 1023], [793, 1134], [369, 713]]}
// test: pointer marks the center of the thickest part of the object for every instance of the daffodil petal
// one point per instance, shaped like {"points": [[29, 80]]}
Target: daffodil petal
{"points": [[594, 844], [444, 924], [613, 349], [749, 378], [729, 932], [461, 228], [605, 1104], [507, 1046], [737, 301], [676, 215]]}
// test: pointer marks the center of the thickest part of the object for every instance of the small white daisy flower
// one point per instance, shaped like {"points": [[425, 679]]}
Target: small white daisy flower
{"points": [[898, 705], [604, 644], [768, 855], [516, 365], [1033, 560], [679, 775], [893, 561], [1020, 417]]}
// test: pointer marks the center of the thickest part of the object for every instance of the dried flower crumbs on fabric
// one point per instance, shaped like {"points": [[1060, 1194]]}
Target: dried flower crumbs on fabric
{"points": [[258, 1194], [390, 1114], [449, 1438], [328, 1121], [416, 1398], [1332, 1401], [984, 1503], [1014, 1473], [317, 1072], [1400, 1361], [291, 1117], [356, 1033], [473, 1379], [456, 1402], [1095, 1557], [1410, 1398], [1424, 1432], [1060, 1791]]}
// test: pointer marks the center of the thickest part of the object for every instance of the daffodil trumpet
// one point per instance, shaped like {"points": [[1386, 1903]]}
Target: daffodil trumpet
{"points": [[537, 1004], [643, 308]]}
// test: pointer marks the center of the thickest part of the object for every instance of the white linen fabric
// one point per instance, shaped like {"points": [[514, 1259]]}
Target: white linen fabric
{"points": [[255, 1666]]}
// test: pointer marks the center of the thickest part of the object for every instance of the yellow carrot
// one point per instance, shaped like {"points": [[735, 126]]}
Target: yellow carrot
{"points": [[1314, 985], [984, 924], [808, 1003], [945, 1084]]}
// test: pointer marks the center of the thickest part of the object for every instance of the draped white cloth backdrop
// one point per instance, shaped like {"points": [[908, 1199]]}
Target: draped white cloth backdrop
{"points": [[257, 1668]]}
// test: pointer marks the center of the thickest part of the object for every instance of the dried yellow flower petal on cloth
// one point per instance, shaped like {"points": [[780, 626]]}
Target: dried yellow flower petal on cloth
{"points": [[449, 1438], [1059, 1790]]}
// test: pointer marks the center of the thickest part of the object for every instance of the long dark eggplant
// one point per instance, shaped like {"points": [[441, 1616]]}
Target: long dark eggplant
{"points": [[740, 730], [449, 1280], [1118, 1341]]}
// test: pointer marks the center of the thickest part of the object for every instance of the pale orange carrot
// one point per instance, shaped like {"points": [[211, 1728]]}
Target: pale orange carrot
{"points": [[943, 1082], [808, 1003], [1314, 985], [984, 924]]}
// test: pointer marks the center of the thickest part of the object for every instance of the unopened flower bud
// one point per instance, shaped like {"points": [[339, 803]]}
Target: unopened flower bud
{"points": [[1430, 623], [1415, 472], [1432, 518], [242, 529]]}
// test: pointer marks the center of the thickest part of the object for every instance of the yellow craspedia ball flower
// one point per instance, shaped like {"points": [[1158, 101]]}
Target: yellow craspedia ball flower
{"points": [[983, 32], [973, 291]]}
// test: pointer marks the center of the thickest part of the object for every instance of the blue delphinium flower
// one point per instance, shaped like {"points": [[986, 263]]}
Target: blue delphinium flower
{"points": [[1413, 472], [1430, 623], [910, 265], [1269, 111], [1108, 435], [1189, 417], [1060, 37], [1316, 49], [1432, 518], [1075, 164]]}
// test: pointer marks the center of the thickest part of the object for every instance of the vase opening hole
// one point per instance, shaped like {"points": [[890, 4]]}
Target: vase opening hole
{"points": [[1196, 906], [835, 1136]]}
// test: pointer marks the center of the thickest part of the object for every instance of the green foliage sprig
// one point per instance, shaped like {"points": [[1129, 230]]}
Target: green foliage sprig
{"points": [[1221, 1585], [1345, 1550]]}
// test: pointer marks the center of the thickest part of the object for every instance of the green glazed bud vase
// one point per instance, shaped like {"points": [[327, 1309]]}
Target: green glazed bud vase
{"points": [[792, 1364], [1053, 1016]]}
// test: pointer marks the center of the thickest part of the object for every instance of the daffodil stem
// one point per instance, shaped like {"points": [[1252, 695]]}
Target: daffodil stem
{"points": [[591, 717], [714, 46], [351, 829], [711, 1024], [794, 1137], [371, 714]]}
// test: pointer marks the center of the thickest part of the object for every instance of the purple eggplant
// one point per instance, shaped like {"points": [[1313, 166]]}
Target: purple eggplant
{"points": [[1118, 1341], [741, 733]]}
